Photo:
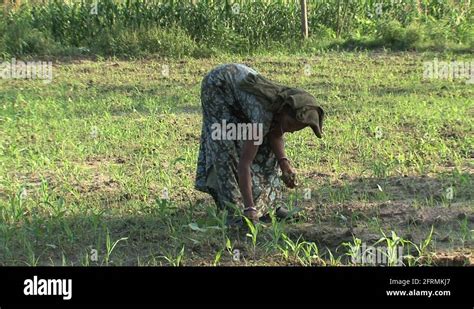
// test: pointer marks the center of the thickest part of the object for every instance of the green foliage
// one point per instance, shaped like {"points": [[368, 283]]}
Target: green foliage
{"points": [[393, 34], [20, 38], [167, 28], [305, 253], [174, 42]]}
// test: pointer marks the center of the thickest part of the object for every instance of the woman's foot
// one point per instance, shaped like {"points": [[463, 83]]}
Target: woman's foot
{"points": [[251, 213], [281, 213]]}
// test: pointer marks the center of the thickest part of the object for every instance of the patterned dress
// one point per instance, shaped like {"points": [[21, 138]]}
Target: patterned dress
{"points": [[218, 159]]}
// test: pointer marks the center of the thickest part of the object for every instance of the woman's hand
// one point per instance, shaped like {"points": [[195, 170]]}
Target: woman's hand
{"points": [[278, 146], [288, 174]]}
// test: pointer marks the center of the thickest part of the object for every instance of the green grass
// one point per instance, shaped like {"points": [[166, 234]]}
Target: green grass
{"points": [[84, 161]]}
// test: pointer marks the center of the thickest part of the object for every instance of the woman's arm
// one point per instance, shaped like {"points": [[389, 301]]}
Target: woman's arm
{"points": [[277, 144], [278, 147], [249, 150]]}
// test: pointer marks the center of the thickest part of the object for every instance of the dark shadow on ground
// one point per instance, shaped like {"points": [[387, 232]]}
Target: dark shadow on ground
{"points": [[409, 206]]}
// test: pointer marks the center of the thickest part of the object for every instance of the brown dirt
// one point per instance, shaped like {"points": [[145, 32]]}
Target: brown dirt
{"points": [[339, 223]]}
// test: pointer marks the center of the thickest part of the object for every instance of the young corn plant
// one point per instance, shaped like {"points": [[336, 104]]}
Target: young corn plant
{"points": [[254, 231], [332, 260], [85, 260], [33, 260], [109, 246], [306, 253], [421, 250], [466, 232], [220, 219], [354, 249], [13, 212], [228, 245], [175, 260], [276, 232], [217, 258], [394, 248]]}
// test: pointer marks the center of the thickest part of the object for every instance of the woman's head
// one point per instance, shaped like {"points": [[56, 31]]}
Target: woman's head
{"points": [[287, 120]]}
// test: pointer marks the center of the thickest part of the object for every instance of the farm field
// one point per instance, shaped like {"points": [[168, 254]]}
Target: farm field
{"points": [[97, 167]]}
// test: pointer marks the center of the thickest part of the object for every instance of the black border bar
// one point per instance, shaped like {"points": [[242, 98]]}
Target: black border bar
{"points": [[241, 285]]}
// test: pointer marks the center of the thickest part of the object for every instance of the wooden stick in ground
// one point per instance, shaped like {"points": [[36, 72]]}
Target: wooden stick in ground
{"points": [[304, 18]]}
